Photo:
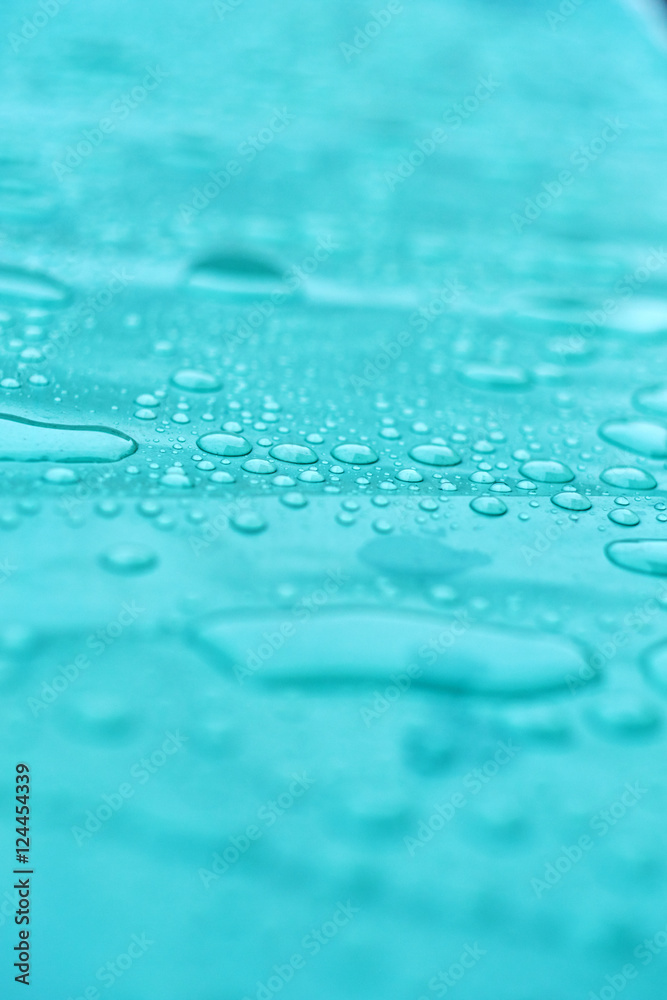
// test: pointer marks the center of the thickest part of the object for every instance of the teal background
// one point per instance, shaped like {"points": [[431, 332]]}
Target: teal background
{"points": [[360, 626]]}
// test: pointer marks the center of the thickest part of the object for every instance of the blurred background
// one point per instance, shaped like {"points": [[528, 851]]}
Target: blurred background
{"points": [[333, 435]]}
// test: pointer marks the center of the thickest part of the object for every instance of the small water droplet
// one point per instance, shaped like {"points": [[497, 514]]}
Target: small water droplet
{"points": [[129, 559]]}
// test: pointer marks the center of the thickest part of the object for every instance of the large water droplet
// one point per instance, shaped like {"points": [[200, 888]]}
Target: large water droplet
{"points": [[571, 501], [24, 440], [640, 316], [413, 556], [641, 436], [237, 273], [626, 518], [259, 466], [641, 555], [364, 647], [434, 454], [225, 445], [296, 454], [542, 470], [628, 477], [490, 506], [652, 398], [31, 287], [353, 453], [620, 715]]}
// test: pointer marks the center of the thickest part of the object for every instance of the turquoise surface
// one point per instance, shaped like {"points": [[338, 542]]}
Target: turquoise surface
{"points": [[333, 529]]}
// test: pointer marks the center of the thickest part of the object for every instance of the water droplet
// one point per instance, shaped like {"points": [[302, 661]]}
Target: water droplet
{"points": [[147, 399], [176, 479], [354, 453], [364, 647], [624, 714], [640, 436], [652, 398], [295, 454], [260, 466], [60, 476], [571, 501], [149, 508], [129, 559], [108, 508], [248, 522], [640, 316], [546, 471], [23, 440], [654, 665], [193, 380], [491, 506], [410, 476], [628, 477], [225, 445], [640, 555], [237, 273], [495, 376], [626, 518], [293, 499], [413, 556], [434, 454], [32, 287]]}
